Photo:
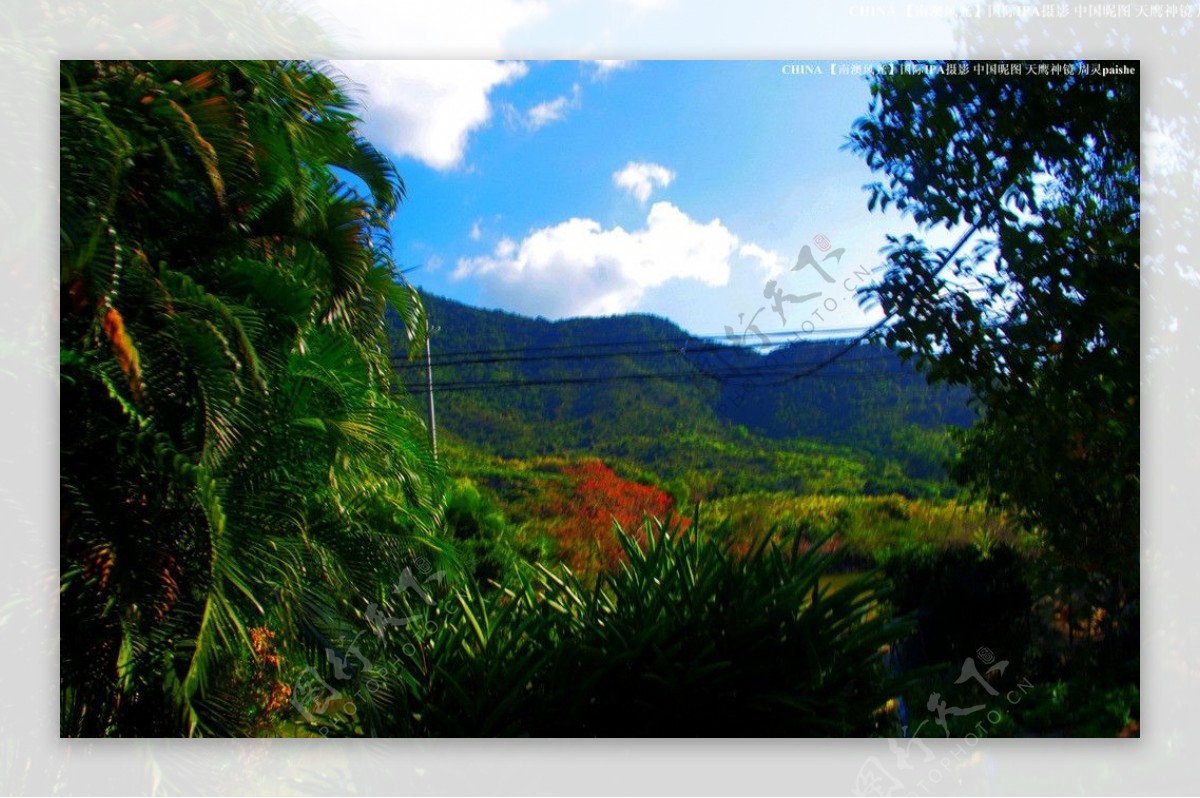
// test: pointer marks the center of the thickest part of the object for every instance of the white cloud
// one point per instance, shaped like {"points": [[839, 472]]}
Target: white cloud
{"points": [[770, 264], [476, 233], [579, 268], [544, 113], [640, 179], [428, 109], [605, 68], [504, 249]]}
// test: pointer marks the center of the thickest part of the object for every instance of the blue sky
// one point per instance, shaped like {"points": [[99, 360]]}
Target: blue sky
{"points": [[678, 188]]}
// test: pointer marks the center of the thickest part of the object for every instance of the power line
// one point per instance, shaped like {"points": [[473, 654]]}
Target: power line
{"points": [[538, 358], [728, 372], [875, 328], [716, 340], [858, 341], [708, 340], [499, 384], [741, 375]]}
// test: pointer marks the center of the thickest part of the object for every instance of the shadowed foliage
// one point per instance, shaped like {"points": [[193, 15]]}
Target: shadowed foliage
{"points": [[1037, 310], [683, 639]]}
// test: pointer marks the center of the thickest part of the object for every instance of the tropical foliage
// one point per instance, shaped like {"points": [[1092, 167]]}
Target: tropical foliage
{"points": [[234, 471], [256, 538], [682, 640], [640, 389], [1037, 311]]}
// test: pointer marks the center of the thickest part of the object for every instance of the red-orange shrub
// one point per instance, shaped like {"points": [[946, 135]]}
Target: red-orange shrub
{"points": [[586, 509]]}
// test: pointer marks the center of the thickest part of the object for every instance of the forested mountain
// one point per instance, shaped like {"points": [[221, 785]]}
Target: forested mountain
{"points": [[640, 388]]}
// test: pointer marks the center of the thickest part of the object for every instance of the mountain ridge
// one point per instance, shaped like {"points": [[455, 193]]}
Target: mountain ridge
{"points": [[638, 387]]}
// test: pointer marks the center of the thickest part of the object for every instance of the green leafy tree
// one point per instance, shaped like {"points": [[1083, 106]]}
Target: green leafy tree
{"points": [[1036, 309], [234, 470]]}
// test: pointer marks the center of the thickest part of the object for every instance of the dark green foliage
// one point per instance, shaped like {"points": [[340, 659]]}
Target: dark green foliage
{"points": [[962, 601], [1037, 312], [484, 538], [697, 643], [679, 492], [861, 402], [683, 640], [1079, 708], [234, 470]]}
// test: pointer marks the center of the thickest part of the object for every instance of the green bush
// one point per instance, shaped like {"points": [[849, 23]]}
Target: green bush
{"points": [[1077, 708], [477, 526], [684, 640], [963, 600], [679, 492]]}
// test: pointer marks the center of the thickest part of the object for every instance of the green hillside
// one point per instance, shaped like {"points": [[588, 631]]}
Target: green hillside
{"points": [[638, 391]]}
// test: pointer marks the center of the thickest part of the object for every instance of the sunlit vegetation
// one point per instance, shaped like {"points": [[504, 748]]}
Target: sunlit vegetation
{"points": [[257, 539], [236, 480], [866, 531]]}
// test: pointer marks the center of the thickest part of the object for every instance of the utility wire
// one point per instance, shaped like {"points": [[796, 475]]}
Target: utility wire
{"points": [[875, 328], [751, 372], [535, 358], [712, 340], [741, 376], [458, 387], [716, 340]]}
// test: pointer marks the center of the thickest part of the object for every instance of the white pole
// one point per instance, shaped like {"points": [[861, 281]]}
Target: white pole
{"points": [[429, 385]]}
